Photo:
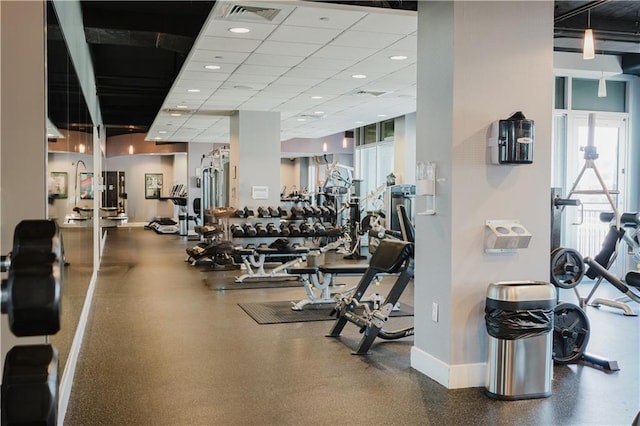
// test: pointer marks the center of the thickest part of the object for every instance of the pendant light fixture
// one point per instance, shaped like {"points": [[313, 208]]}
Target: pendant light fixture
{"points": [[588, 48], [602, 83]]}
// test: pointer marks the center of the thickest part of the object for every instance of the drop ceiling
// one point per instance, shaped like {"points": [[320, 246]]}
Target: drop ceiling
{"points": [[147, 54], [299, 59]]}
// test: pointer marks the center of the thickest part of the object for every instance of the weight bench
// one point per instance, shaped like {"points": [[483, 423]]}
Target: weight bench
{"points": [[631, 279], [322, 278], [291, 256], [391, 257]]}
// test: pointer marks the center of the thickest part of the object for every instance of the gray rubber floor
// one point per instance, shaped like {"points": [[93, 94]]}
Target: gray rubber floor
{"points": [[162, 348]]}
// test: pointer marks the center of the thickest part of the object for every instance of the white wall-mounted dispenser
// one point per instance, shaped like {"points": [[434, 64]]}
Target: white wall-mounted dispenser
{"points": [[510, 141], [505, 236]]}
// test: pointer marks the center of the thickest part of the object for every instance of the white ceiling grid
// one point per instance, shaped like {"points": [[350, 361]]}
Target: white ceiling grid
{"points": [[309, 49]]}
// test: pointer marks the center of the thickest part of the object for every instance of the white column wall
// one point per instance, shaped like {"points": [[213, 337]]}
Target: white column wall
{"points": [[404, 149], [23, 146], [254, 157], [494, 58]]}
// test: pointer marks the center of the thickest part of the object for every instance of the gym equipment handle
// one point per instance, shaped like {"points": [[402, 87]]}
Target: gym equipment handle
{"points": [[600, 270]]}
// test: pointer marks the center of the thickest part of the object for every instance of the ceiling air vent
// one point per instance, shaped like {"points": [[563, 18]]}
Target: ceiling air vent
{"points": [[237, 12], [369, 93]]}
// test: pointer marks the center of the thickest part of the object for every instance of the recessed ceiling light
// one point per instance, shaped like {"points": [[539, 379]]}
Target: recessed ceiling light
{"points": [[359, 122], [398, 57], [158, 138], [193, 90], [359, 76], [182, 107], [318, 112], [239, 30], [162, 132], [316, 97], [382, 115], [302, 119], [212, 67], [175, 114]]}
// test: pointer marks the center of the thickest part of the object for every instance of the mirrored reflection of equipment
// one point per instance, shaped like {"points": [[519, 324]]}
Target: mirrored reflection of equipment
{"points": [[31, 299], [396, 195]]}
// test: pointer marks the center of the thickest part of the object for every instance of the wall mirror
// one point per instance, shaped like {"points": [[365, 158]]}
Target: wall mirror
{"points": [[69, 165]]}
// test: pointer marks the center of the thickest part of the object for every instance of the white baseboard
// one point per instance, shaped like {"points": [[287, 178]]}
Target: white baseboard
{"points": [[450, 376]]}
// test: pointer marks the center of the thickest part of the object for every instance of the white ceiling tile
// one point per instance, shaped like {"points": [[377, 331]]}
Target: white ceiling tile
{"points": [[218, 56], [203, 75], [220, 28], [324, 64], [304, 34], [408, 43], [340, 52], [395, 23], [273, 60], [260, 70], [348, 73], [276, 87], [366, 39], [269, 47], [185, 84], [302, 82], [244, 85], [323, 17], [310, 73], [197, 66], [251, 79], [227, 44]]}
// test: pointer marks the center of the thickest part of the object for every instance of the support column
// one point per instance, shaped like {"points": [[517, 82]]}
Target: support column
{"points": [[23, 140], [479, 62], [254, 174]]}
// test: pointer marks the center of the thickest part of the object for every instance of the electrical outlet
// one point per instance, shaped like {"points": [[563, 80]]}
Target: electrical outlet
{"points": [[434, 312]]}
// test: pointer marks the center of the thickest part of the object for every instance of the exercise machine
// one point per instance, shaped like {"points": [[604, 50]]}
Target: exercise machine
{"points": [[391, 257], [257, 257]]}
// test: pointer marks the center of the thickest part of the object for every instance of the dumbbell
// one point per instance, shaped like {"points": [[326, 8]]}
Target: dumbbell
{"points": [[274, 212], [30, 385], [31, 292], [250, 230], [307, 230], [248, 212], [284, 229], [236, 230], [308, 211], [31, 298], [261, 229], [282, 212], [297, 212], [294, 229], [319, 228], [272, 229], [324, 211], [263, 212]]}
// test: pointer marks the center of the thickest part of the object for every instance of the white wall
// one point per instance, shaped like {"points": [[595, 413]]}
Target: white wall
{"points": [[489, 65], [138, 208], [23, 145]]}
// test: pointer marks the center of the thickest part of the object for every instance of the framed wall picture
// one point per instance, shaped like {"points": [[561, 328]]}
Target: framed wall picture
{"points": [[86, 185], [58, 184], [152, 185]]}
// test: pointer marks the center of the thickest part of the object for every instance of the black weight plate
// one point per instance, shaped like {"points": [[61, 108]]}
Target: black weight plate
{"points": [[570, 333], [567, 268]]}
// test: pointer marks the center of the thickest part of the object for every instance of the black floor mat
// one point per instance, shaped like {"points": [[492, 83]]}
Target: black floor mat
{"points": [[281, 312], [228, 283]]}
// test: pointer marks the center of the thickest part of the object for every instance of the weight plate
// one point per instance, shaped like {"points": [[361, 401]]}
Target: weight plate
{"points": [[570, 333], [567, 268]]}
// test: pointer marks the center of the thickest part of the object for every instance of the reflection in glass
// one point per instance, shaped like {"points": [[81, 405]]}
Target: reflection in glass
{"points": [[70, 143]]}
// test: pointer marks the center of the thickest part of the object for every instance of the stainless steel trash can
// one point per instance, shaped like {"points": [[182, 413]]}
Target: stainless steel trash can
{"points": [[519, 322], [183, 224]]}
